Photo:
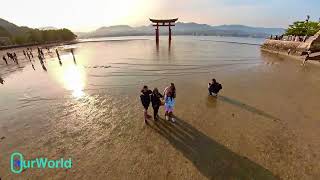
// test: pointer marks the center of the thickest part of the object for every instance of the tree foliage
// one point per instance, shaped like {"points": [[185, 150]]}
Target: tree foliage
{"points": [[303, 28], [39, 36]]}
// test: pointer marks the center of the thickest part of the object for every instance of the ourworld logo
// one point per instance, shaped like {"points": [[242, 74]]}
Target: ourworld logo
{"points": [[18, 163]]}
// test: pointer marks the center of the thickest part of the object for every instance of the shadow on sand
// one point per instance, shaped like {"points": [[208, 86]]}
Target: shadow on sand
{"points": [[212, 159], [247, 107]]}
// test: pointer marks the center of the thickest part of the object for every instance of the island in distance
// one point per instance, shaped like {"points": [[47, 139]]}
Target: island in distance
{"points": [[185, 29]]}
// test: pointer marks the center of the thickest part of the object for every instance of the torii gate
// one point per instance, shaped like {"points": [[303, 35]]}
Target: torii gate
{"points": [[163, 22]]}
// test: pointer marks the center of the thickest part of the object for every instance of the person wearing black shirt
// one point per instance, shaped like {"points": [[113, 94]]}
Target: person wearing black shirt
{"points": [[214, 87], [145, 101], [156, 103], [1, 80]]}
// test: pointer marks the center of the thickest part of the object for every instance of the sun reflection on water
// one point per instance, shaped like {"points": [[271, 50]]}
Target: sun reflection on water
{"points": [[72, 78]]}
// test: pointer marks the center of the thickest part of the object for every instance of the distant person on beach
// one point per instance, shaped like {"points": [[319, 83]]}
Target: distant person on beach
{"points": [[156, 103], [58, 55], [15, 57], [214, 87], [40, 59], [5, 60], [306, 58], [289, 51], [42, 54], [1, 80], [10, 56], [44, 67], [24, 53], [74, 58], [169, 98], [28, 56], [145, 100]]}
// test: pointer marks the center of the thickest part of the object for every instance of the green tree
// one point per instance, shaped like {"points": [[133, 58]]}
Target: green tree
{"points": [[67, 35], [39, 36], [20, 39], [303, 28], [34, 36]]}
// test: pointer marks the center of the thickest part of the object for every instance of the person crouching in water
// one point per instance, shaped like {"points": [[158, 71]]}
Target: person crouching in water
{"points": [[156, 103], [169, 98], [214, 87], [145, 100]]}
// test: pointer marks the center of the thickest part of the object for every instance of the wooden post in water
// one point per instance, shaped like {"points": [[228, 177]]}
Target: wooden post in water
{"points": [[157, 33], [169, 31]]}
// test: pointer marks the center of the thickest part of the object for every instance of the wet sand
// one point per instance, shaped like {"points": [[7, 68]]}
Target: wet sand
{"points": [[264, 124]]}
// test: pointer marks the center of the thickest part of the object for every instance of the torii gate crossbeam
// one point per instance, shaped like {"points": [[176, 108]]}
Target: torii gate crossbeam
{"points": [[163, 22]]}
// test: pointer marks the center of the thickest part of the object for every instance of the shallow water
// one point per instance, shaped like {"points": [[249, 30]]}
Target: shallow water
{"points": [[264, 125]]}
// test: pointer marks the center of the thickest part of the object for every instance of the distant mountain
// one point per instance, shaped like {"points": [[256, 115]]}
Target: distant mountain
{"points": [[185, 29], [248, 29], [48, 28], [12, 28]]}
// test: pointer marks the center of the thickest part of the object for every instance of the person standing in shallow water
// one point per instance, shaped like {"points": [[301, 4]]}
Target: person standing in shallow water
{"points": [[58, 55], [28, 56], [145, 100], [5, 60], [15, 57], [169, 98], [156, 103], [1, 80], [74, 58], [40, 59]]}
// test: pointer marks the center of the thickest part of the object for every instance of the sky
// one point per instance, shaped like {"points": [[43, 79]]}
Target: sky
{"points": [[88, 15]]}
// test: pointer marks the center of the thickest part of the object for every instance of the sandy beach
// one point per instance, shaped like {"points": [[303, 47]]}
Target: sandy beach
{"points": [[263, 125]]}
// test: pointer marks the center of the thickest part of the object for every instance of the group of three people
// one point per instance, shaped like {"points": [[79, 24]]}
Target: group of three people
{"points": [[155, 98]]}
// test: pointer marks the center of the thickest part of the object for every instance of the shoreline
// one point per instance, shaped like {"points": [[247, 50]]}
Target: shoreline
{"points": [[50, 44], [299, 58]]}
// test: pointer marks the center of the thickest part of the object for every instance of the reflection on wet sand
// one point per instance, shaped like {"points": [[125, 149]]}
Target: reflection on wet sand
{"points": [[72, 78]]}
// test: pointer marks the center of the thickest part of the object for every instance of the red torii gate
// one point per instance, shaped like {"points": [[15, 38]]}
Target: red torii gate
{"points": [[163, 22]]}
